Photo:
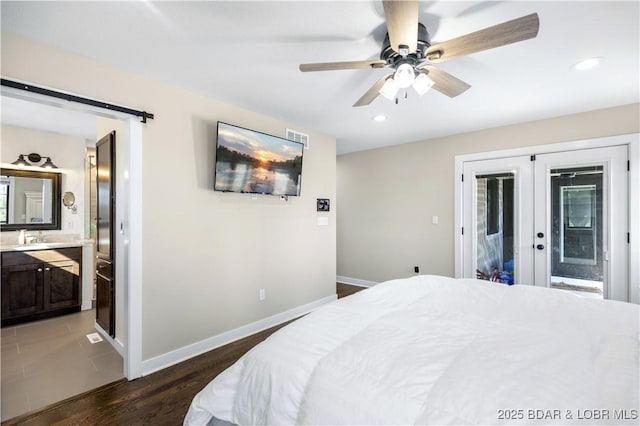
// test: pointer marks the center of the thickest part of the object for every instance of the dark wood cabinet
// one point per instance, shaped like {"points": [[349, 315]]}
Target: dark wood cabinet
{"points": [[105, 247], [22, 290], [40, 284], [62, 284], [105, 293]]}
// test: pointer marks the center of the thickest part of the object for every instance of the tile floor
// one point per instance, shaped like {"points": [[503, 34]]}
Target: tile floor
{"points": [[47, 361]]}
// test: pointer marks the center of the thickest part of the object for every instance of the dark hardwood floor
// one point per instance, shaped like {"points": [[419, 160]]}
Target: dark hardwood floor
{"points": [[344, 290], [161, 398]]}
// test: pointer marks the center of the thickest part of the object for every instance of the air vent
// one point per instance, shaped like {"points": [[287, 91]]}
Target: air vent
{"points": [[293, 135]]}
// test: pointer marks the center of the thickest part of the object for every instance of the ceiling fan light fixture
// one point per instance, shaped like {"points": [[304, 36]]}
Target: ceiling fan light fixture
{"points": [[404, 76], [389, 89], [422, 84]]}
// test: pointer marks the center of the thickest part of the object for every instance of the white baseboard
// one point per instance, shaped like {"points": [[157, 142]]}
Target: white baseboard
{"points": [[355, 281], [186, 352], [117, 344]]}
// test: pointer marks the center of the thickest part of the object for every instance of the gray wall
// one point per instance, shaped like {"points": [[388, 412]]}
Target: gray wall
{"points": [[387, 196]]}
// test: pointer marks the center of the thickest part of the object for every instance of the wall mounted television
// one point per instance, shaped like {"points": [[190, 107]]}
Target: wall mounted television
{"points": [[253, 162]]}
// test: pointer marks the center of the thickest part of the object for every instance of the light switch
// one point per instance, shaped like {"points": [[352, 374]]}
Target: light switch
{"points": [[323, 221], [434, 220]]}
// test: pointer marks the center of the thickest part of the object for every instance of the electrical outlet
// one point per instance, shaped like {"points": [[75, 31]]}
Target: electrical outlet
{"points": [[262, 294], [416, 269]]}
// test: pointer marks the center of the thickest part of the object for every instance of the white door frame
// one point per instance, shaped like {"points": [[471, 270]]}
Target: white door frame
{"points": [[633, 143], [133, 253], [131, 243], [614, 194]]}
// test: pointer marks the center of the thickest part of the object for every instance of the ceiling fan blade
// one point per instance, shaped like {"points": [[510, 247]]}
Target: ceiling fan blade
{"points": [[349, 65], [402, 23], [509, 32], [444, 82], [372, 93]]}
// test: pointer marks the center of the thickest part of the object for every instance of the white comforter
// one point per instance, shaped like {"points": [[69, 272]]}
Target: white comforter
{"points": [[436, 350]]}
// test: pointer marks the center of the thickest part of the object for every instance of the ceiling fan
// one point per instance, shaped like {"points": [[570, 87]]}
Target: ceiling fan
{"points": [[408, 51]]}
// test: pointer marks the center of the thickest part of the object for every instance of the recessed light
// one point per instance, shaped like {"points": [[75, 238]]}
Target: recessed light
{"points": [[379, 117], [587, 64]]}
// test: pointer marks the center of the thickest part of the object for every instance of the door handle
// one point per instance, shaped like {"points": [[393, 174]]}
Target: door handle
{"points": [[540, 246]]}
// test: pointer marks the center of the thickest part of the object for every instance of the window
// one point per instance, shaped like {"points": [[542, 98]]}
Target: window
{"points": [[493, 206], [4, 201]]}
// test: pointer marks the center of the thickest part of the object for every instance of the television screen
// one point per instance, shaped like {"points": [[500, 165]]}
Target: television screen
{"points": [[253, 162]]}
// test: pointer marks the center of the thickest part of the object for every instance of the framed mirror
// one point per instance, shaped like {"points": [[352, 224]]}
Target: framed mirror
{"points": [[29, 200]]}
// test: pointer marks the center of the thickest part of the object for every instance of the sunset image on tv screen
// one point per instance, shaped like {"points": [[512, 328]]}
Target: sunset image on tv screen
{"points": [[254, 162]]}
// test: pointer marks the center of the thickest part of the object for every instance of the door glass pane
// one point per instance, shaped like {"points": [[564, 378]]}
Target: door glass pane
{"points": [[577, 230], [495, 227]]}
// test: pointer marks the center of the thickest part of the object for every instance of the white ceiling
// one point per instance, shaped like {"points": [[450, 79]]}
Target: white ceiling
{"points": [[23, 113], [247, 54]]}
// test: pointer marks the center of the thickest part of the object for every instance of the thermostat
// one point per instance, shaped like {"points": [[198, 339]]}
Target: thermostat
{"points": [[323, 204]]}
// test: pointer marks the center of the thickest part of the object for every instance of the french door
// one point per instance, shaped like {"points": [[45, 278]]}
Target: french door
{"points": [[555, 220]]}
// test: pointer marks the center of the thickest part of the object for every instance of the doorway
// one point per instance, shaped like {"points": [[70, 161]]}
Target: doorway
{"points": [[129, 233], [555, 219]]}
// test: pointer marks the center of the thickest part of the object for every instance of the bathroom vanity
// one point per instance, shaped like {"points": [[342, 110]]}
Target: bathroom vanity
{"points": [[41, 281]]}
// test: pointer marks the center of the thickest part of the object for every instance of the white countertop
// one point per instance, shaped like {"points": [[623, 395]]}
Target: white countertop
{"points": [[45, 246]]}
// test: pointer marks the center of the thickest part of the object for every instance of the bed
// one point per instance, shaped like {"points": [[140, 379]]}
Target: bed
{"points": [[437, 350]]}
